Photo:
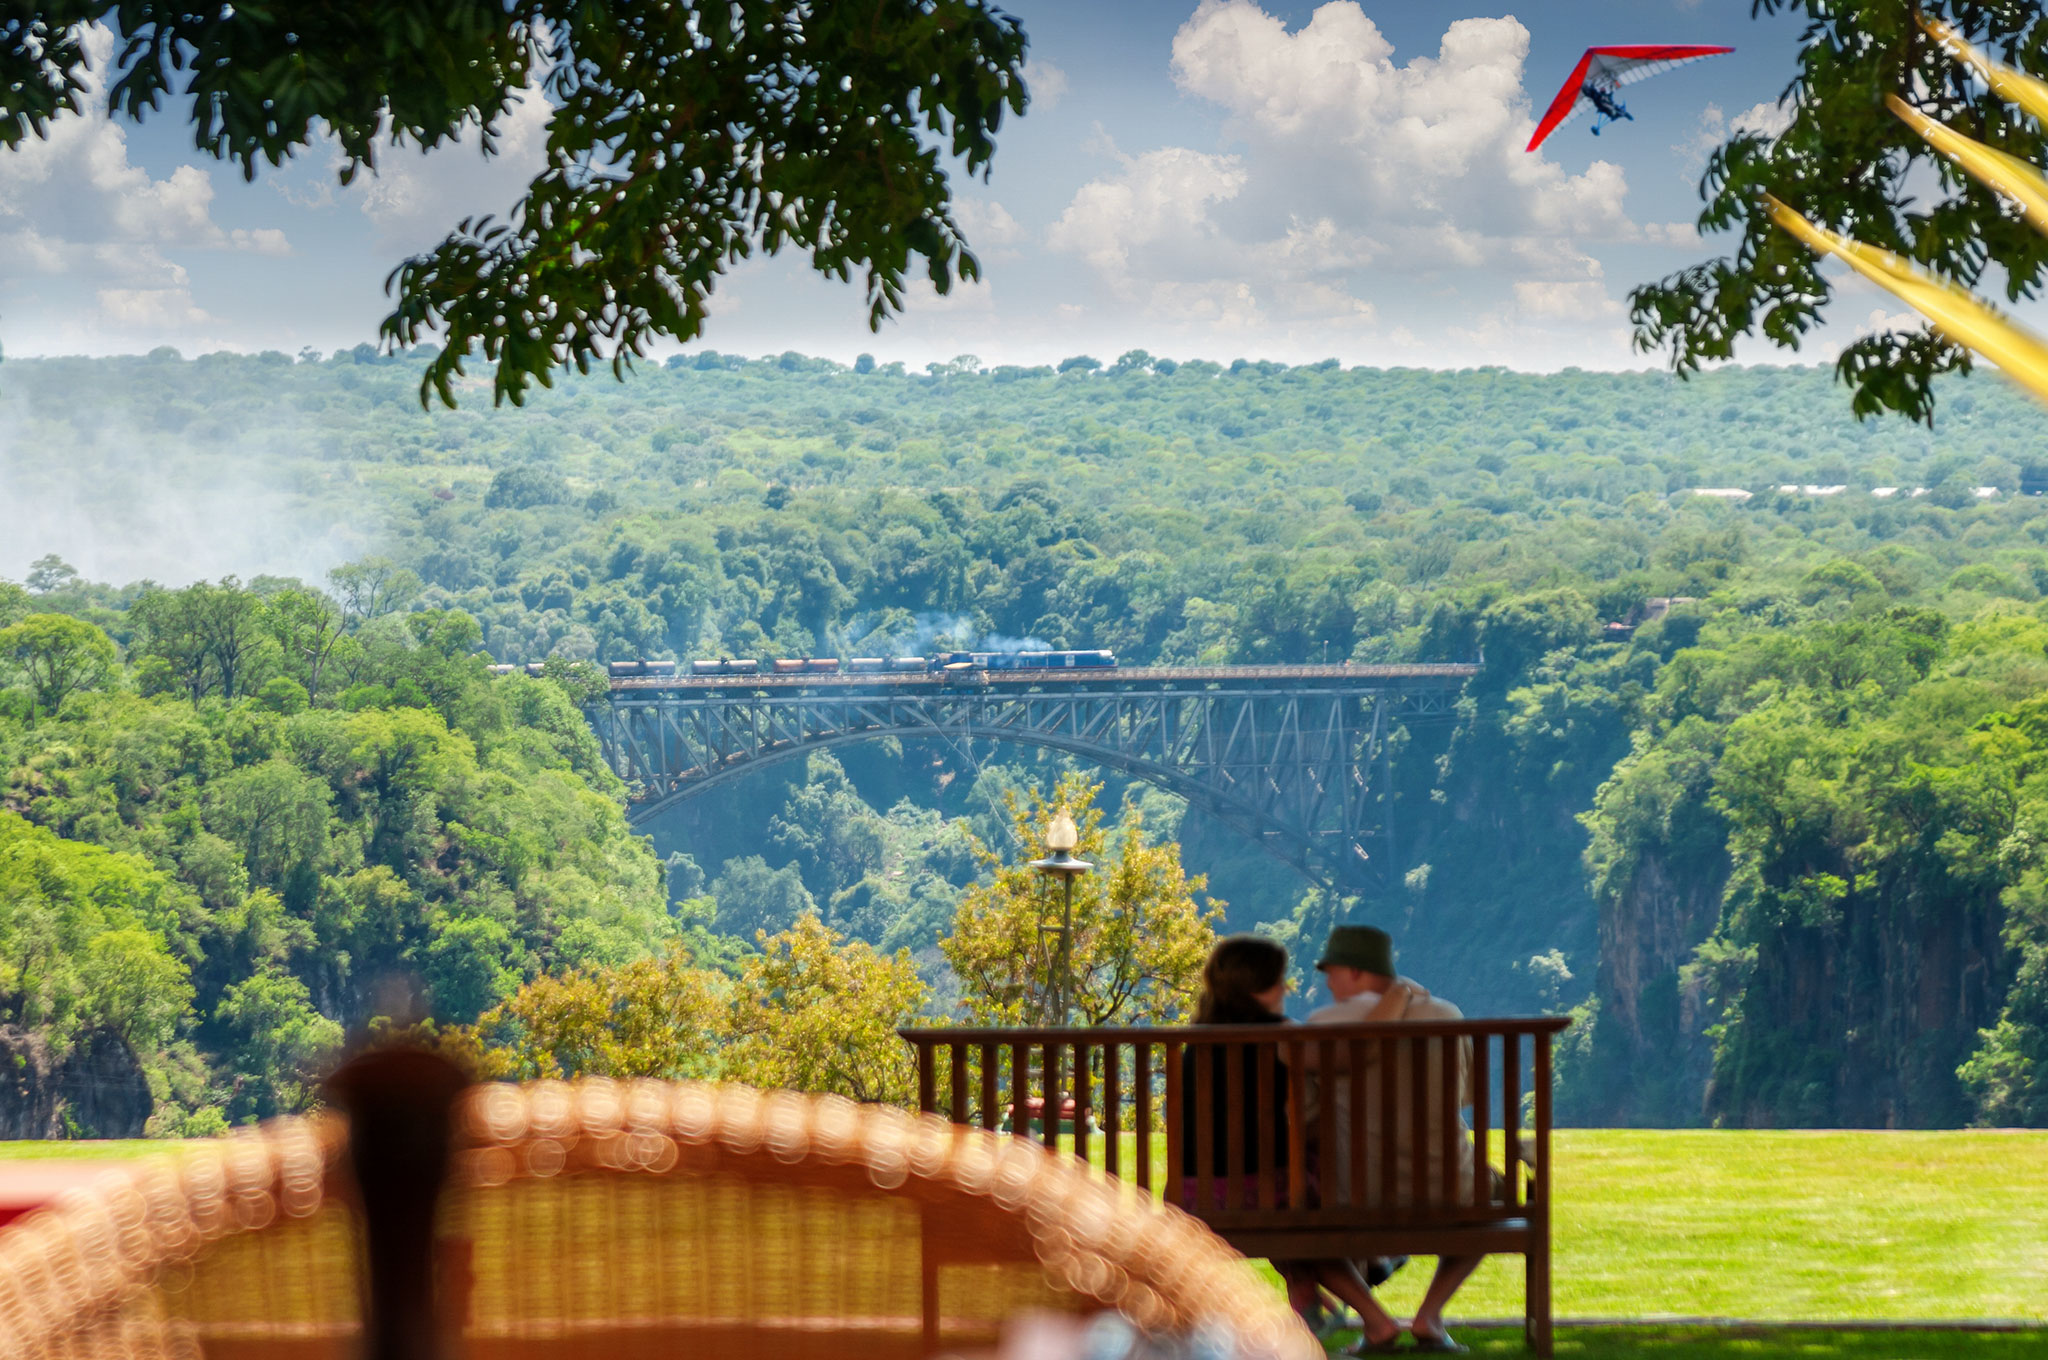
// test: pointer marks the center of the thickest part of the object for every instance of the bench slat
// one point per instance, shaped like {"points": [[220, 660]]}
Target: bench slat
{"points": [[1360, 1191], [989, 1064], [1268, 1135], [1482, 1107], [1141, 1077], [1297, 1128], [1020, 1090], [1112, 1109], [1083, 1084], [1390, 1102], [1511, 1115], [1236, 1155]]}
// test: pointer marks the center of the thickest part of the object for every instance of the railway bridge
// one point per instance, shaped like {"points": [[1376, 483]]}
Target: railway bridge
{"points": [[1295, 757]]}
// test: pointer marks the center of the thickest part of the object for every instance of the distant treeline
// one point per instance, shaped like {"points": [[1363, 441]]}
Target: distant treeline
{"points": [[1759, 838]]}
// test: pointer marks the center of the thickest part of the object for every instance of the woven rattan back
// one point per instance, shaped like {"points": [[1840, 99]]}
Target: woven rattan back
{"points": [[615, 1221]]}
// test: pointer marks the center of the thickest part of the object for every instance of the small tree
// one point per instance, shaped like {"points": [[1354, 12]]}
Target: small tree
{"points": [[370, 588], [815, 1013], [306, 627], [649, 1018], [60, 656], [1139, 935]]}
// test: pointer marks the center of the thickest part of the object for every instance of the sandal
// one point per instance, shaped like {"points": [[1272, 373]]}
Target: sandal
{"points": [[1387, 1347], [1440, 1344]]}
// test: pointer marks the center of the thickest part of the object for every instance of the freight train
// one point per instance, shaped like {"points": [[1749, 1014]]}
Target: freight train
{"points": [[945, 663], [942, 664]]}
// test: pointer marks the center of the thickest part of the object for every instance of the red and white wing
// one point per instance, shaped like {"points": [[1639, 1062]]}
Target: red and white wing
{"points": [[1614, 66]]}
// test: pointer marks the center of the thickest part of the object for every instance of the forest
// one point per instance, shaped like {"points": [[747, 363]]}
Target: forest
{"points": [[1748, 785]]}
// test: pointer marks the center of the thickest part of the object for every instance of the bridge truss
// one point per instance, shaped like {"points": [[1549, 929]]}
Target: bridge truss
{"points": [[1294, 757]]}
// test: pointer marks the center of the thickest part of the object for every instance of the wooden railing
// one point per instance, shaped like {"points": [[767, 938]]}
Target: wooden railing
{"points": [[1378, 1170]]}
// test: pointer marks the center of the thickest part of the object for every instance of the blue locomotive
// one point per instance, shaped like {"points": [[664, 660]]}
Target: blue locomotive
{"points": [[957, 662]]}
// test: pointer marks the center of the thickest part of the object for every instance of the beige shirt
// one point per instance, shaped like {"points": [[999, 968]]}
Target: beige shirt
{"points": [[1339, 1160]]}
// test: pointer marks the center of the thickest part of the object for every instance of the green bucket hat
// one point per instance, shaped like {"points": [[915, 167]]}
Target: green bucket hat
{"points": [[1366, 948]]}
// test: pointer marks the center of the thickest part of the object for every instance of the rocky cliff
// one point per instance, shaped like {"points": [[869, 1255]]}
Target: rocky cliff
{"points": [[97, 1090]]}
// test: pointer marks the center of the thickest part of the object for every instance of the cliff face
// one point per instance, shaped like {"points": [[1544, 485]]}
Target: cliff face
{"points": [[1863, 1021], [1646, 1059], [98, 1090]]}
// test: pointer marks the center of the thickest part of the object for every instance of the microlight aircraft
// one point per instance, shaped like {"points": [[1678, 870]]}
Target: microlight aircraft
{"points": [[1600, 74]]}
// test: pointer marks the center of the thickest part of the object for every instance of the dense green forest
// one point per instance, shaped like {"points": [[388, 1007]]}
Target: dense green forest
{"points": [[1776, 843]]}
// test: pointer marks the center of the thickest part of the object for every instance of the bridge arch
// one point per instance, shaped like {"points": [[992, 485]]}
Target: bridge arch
{"points": [[1292, 756], [1282, 842]]}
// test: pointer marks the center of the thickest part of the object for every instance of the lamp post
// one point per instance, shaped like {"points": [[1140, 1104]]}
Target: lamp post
{"points": [[1059, 862]]}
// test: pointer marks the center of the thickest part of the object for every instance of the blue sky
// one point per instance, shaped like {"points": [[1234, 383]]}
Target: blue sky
{"points": [[1238, 177]]}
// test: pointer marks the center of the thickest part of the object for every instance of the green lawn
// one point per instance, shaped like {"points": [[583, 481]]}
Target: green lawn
{"points": [[1793, 1226], [57, 1149], [1702, 1343]]}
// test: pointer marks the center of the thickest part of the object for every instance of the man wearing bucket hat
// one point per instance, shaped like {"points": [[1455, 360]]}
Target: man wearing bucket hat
{"points": [[1357, 965]]}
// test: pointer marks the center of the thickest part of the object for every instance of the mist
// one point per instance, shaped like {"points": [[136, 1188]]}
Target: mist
{"points": [[124, 502]]}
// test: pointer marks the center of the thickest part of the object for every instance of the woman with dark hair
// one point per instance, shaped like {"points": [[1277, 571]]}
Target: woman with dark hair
{"points": [[1244, 982]]}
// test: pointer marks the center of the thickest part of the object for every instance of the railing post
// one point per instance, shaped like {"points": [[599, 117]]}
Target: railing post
{"points": [[990, 1061], [1482, 1107], [927, 1076], [1537, 1262], [1112, 1108], [1511, 1113], [1141, 1076]]}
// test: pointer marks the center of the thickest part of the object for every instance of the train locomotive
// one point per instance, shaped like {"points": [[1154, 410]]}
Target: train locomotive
{"points": [[956, 662]]}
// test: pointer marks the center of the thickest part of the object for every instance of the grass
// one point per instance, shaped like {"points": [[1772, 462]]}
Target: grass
{"points": [[58, 1149], [1732, 1343], [1795, 1226], [1851, 1225]]}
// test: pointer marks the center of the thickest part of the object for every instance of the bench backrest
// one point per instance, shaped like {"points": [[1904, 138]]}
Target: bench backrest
{"points": [[1328, 1126]]}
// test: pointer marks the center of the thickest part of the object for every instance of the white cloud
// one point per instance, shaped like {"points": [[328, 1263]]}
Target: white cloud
{"points": [[94, 237], [260, 241], [1768, 120], [1715, 127], [1361, 178], [1577, 302], [1047, 84], [416, 198], [988, 224], [77, 187], [150, 309]]}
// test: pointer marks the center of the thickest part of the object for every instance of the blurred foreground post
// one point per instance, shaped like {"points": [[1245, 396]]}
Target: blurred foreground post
{"points": [[400, 1105]]}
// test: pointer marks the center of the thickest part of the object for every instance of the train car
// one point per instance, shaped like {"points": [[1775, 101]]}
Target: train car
{"points": [[866, 665], [624, 669], [506, 669], [786, 665], [960, 662], [726, 666], [901, 664], [536, 668], [821, 665]]}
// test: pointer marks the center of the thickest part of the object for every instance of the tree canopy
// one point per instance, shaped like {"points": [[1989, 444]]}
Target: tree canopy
{"points": [[682, 138], [1139, 935], [1844, 161]]}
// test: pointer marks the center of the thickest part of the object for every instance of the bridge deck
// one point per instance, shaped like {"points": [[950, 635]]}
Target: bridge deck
{"points": [[1422, 675]]}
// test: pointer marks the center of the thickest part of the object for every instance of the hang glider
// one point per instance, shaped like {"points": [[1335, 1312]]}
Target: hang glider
{"points": [[1603, 71]]}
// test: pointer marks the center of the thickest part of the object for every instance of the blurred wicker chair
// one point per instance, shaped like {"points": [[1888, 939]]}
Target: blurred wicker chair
{"points": [[625, 1221]]}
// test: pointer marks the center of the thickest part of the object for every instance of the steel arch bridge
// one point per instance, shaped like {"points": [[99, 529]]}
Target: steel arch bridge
{"points": [[1287, 755]]}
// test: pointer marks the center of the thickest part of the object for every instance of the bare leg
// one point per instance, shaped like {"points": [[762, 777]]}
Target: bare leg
{"points": [[1342, 1279], [1301, 1292], [1451, 1272]]}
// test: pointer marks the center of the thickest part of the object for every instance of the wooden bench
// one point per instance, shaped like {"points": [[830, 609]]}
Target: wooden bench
{"points": [[1419, 1200]]}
